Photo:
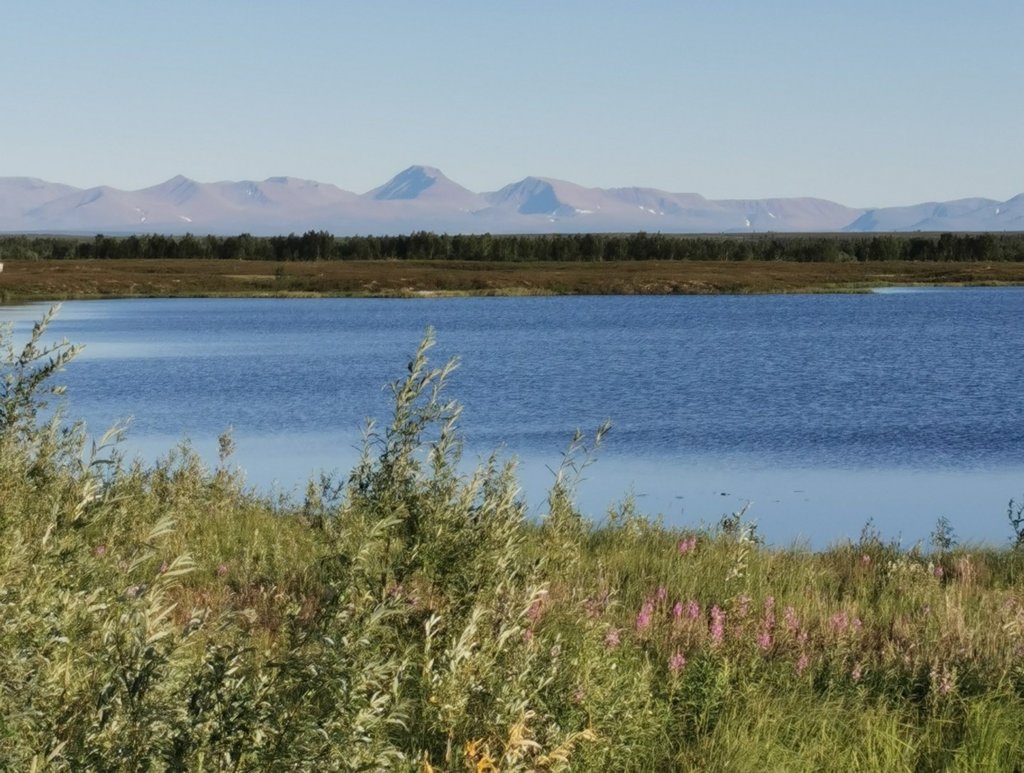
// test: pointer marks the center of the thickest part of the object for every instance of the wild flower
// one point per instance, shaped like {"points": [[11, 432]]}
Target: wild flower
{"points": [[661, 594], [942, 679], [938, 572], [676, 663], [611, 638], [802, 662], [865, 560], [840, 622], [717, 625], [857, 672], [536, 609], [100, 551], [764, 636], [528, 635], [791, 620], [643, 617], [677, 610], [692, 609], [595, 606], [164, 566], [222, 570], [687, 545]]}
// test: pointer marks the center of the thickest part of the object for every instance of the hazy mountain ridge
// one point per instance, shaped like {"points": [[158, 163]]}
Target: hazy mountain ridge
{"points": [[423, 198]]}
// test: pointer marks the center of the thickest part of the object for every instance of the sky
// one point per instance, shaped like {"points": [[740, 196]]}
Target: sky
{"points": [[870, 103]]}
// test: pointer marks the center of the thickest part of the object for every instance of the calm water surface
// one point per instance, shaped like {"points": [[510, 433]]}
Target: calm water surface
{"points": [[821, 410]]}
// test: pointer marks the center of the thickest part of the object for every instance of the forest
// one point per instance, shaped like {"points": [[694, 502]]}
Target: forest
{"points": [[322, 246]]}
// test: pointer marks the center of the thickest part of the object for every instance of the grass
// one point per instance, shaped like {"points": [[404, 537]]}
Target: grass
{"points": [[409, 617], [66, 279]]}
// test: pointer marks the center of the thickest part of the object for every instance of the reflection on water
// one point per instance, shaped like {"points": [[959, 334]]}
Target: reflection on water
{"points": [[822, 410]]}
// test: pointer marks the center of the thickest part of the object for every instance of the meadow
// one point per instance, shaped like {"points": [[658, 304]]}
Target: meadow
{"points": [[28, 280], [410, 616]]}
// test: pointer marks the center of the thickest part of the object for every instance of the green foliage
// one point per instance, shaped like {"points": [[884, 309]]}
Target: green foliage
{"points": [[411, 617], [321, 245]]}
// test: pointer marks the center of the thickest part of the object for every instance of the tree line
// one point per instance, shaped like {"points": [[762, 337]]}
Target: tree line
{"points": [[321, 245]]}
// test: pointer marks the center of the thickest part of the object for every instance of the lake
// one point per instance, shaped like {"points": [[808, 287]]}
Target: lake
{"points": [[822, 411]]}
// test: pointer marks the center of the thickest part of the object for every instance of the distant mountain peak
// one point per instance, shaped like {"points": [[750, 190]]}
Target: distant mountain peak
{"points": [[409, 183]]}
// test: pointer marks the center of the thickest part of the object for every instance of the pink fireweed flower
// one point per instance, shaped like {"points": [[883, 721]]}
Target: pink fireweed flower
{"points": [[528, 635], [100, 551], [865, 560], [222, 570], [661, 594], [535, 610], [769, 604], [857, 624], [594, 607], [692, 610], [840, 622], [764, 639], [611, 639], [802, 663], [942, 680], [687, 545], [938, 572], [676, 663], [643, 617], [717, 625], [792, 621], [677, 610]]}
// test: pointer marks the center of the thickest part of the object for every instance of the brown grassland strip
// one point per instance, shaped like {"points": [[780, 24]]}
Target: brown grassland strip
{"points": [[67, 279]]}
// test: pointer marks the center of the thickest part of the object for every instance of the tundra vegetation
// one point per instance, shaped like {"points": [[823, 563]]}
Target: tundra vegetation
{"points": [[317, 263], [412, 617]]}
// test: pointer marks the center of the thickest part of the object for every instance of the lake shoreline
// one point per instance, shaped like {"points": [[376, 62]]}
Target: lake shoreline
{"points": [[23, 281]]}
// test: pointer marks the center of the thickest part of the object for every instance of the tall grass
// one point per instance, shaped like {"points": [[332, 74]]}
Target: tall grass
{"points": [[410, 617]]}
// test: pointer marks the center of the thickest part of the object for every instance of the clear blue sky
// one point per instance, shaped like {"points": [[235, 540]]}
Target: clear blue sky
{"points": [[877, 102]]}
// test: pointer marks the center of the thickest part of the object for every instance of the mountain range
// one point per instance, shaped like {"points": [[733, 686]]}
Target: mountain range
{"points": [[423, 198]]}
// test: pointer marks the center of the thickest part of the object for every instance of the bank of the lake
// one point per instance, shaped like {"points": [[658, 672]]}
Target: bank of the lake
{"points": [[27, 280]]}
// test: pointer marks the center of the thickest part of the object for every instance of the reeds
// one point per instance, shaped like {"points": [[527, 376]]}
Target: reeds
{"points": [[412, 617]]}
